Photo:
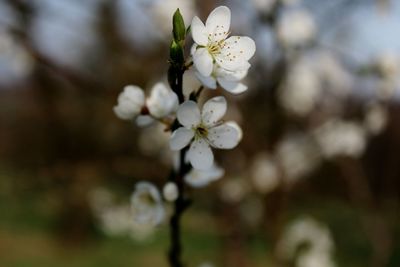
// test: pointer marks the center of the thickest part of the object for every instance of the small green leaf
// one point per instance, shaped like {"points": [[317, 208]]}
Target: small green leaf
{"points": [[176, 53], [178, 27]]}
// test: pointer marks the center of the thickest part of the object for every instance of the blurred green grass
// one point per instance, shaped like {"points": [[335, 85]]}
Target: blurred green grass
{"points": [[28, 237]]}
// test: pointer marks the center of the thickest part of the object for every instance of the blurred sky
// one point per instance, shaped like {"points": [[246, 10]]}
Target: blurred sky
{"points": [[64, 28]]}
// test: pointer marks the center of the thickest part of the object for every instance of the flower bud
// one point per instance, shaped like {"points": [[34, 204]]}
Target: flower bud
{"points": [[179, 30], [130, 103], [170, 191]]}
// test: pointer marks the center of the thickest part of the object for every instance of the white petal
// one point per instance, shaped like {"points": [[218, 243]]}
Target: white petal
{"points": [[242, 46], [200, 155], [225, 136], [147, 205], [229, 63], [144, 120], [236, 52], [199, 32], [208, 81], [133, 93], [197, 178], [213, 110], [162, 101], [203, 61], [233, 76], [218, 23], [188, 114], [130, 102], [232, 87], [180, 138]]}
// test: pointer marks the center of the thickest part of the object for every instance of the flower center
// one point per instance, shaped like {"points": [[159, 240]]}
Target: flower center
{"points": [[201, 132], [214, 48]]}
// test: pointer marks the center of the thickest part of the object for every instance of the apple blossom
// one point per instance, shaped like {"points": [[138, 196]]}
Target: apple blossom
{"points": [[161, 103], [341, 138], [212, 45], [295, 28], [313, 233], [147, 204], [204, 129], [130, 102]]}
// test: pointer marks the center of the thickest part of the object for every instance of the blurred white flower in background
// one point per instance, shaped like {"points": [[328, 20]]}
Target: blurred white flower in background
{"points": [[146, 204], [296, 27], [298, 155], [300, 93], [115, 219], [315, 258], [376, 118], [315, 79], [341, 138], [15, 62], [204, 129], [234, 190], [388, 66], [264, 173], [163, 11], [212, 45], [264, 6], [198, 178], [315, 236], [206, 264]]}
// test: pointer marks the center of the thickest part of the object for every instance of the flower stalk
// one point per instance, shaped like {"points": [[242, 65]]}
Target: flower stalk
{"points": [[175, 78]]}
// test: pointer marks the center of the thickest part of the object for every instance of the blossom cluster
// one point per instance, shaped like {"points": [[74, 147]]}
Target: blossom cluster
{"points": [[219, 60]]}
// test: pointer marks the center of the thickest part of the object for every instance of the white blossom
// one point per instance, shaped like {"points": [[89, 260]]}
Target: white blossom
{"points": [[130, 102], [264, 173], [170, 191], [315, 258], [203, 130], [234, 190], [213, 46], [298, 156], [295, 28], [388, 66], [147, 204], [315, 80], [163, 11], [376, 118], [200, 178], [301, 91], [315, 235], [264, 5], [115, 219], [161, 103], [228, 80], [341, 138]]}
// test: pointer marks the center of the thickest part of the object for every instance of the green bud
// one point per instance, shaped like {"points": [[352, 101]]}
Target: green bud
{"points": [[178, 27], [176, 53]]}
